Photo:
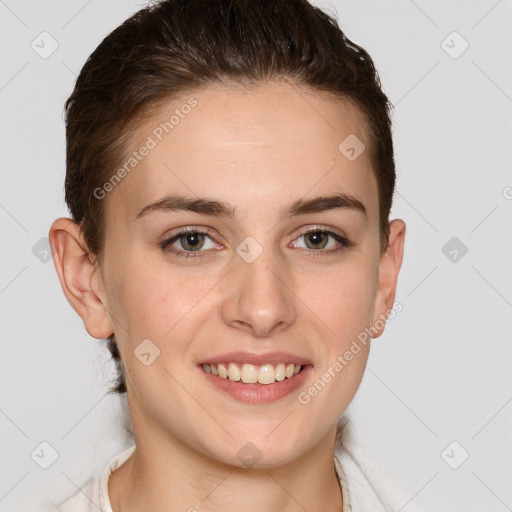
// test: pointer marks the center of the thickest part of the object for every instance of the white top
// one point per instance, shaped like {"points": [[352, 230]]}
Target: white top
{"points": [[365, 484]]}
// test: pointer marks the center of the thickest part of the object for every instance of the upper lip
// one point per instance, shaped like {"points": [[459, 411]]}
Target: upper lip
{"points": [[272, 358]]}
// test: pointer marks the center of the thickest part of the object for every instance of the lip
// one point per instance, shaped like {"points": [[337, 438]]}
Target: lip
{"points": [[272, 358], [257, 393]]}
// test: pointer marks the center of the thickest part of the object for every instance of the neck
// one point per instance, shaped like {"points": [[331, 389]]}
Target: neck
{"points": [[164, 475]]}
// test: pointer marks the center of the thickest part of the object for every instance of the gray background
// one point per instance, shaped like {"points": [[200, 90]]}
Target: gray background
{"points": [[441, 372]]}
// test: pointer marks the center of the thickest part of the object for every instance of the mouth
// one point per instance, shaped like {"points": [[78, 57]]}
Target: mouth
{"points": [[246, 373], [256, 378]]}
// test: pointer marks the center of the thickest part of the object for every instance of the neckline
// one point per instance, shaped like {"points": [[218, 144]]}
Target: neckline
{"points": [[121, 458], [115, 462]]}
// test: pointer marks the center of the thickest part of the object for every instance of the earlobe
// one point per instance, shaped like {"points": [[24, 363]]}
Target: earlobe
{"points": [[389, 267], [80, 277]]}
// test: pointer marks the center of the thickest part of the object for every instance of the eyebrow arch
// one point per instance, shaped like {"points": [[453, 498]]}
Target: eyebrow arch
{"points": [[207, 206]]}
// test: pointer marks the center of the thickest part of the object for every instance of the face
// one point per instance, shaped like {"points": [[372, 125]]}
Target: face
{"points": [[269, 275]]}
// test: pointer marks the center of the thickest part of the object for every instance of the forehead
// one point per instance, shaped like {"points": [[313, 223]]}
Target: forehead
{"points": [[245, 145]]}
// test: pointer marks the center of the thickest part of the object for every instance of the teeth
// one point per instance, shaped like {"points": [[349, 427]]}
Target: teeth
{"points": [[267, 375], [223, 372], [280, 372], [233, 372], [250, 374]]}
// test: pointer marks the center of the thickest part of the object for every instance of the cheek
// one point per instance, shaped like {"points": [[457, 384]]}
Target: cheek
{"points": [[345, 310], [342, 297], [152, 299]]}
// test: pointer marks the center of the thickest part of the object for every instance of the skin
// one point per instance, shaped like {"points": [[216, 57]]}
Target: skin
{"points": [[259, 149]]}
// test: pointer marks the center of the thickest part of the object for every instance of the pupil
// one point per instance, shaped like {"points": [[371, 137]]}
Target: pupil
{"points": [[192, 240], [316, 238]]}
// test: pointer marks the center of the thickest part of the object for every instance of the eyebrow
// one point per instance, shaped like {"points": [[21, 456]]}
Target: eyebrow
{"points": [[208, 206]]}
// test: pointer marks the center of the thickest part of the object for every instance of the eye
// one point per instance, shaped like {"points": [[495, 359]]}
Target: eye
{"points": [[318, 241], [191, 240], [323, 240]]}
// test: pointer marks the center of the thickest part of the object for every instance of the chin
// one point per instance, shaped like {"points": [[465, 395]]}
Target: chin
{"points": [[263, 450]]}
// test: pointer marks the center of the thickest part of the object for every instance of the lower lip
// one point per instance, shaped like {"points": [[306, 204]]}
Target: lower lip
{"points": [[259, 393]]}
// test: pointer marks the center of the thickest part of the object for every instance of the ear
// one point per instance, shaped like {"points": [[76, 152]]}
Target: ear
{"points": [[389, 266], [80, 277]]}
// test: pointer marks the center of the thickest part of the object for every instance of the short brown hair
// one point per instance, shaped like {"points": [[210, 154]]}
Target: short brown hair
{"points": [[174, 46]]}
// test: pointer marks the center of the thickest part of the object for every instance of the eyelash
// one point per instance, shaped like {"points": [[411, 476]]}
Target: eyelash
{"points": [[166, 245]]}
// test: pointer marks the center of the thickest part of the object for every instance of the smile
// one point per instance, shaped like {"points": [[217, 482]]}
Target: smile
{"points": [[256, 378], [251, 374]]}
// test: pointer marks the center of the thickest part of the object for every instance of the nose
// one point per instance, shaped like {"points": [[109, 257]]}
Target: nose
{"points": [[259, 296]]}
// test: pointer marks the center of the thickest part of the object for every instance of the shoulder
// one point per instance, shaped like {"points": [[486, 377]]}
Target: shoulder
{"points": [[86, 499], [93, 495], [371, 484]]}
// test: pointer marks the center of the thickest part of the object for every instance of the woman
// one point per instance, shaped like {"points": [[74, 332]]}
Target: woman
{"points": [[230, 176]]}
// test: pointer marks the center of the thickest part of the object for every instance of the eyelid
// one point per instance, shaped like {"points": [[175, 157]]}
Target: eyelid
{"points": [[320, 227], [202, 230], [335, 233]]}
